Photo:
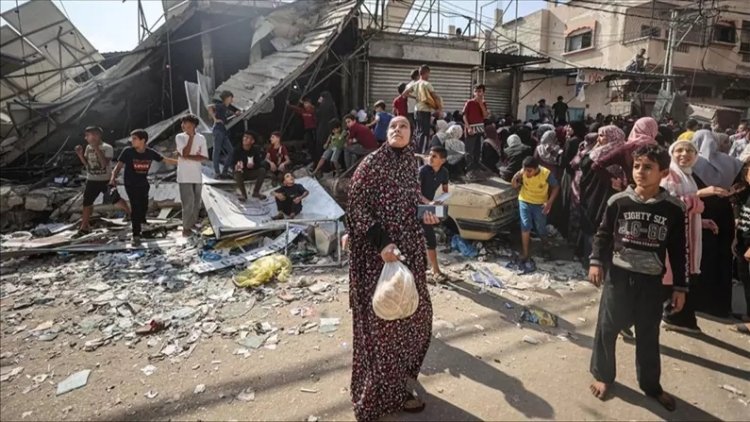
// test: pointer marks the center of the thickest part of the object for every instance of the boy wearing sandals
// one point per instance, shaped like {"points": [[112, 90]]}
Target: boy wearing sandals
{"points": [[641, 226], [538, 191], [431, 177]]}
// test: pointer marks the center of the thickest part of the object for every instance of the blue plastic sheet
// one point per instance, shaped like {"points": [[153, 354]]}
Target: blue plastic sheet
{"points": [[466, 248]]}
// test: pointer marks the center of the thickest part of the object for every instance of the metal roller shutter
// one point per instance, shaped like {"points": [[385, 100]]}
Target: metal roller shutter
{"points": [[499, 91], [452, 84]]}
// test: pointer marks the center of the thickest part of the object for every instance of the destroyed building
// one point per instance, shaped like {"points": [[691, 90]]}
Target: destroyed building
{"points": [[55, 83], [267, 53]]}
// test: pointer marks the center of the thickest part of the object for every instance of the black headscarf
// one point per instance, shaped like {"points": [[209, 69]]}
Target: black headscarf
{"points": [[525, 134], [324, 112]]}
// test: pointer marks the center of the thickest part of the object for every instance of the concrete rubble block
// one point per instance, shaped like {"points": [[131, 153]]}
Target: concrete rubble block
{"points": [[11, 197], [73, 382], [47, 199]]}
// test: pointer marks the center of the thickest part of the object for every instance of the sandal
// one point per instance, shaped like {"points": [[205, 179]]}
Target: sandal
{"points": [[743, 328], [667, 401], [413, 405], [80, 233]]}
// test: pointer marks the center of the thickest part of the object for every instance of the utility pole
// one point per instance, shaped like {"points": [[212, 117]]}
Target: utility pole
{"points": [[666, 83]]}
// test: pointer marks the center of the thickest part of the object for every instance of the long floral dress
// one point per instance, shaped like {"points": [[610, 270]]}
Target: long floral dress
{"points": [[384, 194]]}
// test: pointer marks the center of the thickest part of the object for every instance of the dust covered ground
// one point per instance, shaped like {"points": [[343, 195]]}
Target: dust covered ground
{"points": [[62, 315]]}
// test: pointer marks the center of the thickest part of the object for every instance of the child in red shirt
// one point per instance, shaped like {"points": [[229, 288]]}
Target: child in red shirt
{"points": [[277, 156]]}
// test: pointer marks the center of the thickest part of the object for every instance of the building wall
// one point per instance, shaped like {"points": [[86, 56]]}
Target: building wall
{"points": [[598, 95], [619, 36]]}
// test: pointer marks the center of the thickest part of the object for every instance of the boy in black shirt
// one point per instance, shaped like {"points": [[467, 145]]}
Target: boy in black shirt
{"points": [[289, 198], [249, 163], [640, 226], [136, 160], [431, 177]]}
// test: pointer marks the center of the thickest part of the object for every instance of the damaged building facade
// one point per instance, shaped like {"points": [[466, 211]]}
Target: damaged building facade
{"points": [[267, 53], [257, 49]]}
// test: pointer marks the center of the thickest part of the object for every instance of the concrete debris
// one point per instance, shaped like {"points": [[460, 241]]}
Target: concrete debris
{"points": [[530, 340], [252, 341], [7, 374], [732, 389], [200, 388], [73, 382], [148, 370], [329, 325], [247, 394]]}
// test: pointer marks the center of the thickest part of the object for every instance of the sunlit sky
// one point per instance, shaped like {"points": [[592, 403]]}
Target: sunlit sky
{"points": [[112, 25]]}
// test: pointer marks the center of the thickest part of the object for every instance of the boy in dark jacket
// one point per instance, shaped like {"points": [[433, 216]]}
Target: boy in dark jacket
{"points": [[640, 226]]}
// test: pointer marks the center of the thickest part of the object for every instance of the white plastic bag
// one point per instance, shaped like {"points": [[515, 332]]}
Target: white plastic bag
{"points": [[396, 295]]}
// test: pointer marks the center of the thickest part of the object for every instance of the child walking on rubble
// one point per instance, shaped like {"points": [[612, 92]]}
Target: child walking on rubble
{"points": [[640, 228], [136, 160], [538, 191]]}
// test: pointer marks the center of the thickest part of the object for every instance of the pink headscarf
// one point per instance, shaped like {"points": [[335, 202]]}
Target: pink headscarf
{"points": [[644, 131], [615, 139]]}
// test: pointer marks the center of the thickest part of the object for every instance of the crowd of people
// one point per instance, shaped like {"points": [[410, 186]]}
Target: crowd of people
{"points": [[658, 213]]}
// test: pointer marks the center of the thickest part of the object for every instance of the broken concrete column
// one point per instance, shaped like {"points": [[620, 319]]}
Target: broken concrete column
{"points": [[11, 197], [47, 199]]}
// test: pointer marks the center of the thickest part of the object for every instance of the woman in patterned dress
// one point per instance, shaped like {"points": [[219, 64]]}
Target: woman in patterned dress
{"points": [[382, 216]]}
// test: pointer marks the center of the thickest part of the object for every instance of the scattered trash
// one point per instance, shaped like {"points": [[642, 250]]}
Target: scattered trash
{"points": [[151, 394], [486, 278], [73, 382], [308, 390], [538, 316], [200, 388], [464, 247], [264, 270]]}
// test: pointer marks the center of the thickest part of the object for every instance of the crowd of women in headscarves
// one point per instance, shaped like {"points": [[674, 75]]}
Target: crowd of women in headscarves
{"points": [[594, 162]]}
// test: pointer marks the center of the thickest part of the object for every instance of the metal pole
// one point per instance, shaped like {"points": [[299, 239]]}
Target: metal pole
{"points": [[438, 18], [670, 52], [476, 17], [169, 64], [515, 40]]}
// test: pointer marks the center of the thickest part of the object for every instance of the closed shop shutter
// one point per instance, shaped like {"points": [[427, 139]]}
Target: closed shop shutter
{"points": [[452, 83], [499, 91]]}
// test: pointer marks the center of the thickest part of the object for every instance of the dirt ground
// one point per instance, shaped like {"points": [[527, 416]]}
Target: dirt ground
{"points": [[478, 368]]}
